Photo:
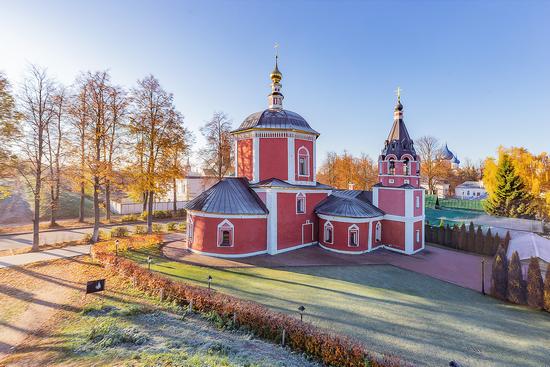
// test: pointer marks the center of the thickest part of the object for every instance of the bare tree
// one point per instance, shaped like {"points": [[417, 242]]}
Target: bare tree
{"points": [[217, 152], [152, 123], [54, 138], [432, 167], [36, 104]]}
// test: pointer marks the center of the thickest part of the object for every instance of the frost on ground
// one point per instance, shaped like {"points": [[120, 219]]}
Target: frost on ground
{"points": [[146, 337]]}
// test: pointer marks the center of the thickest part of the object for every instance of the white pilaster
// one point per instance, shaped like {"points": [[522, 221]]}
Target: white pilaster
{"points": [[236, 156], [256, 159], [370, 236], [271, 203], [314, 161], [375, 196], [409, 203], [291, 160], [409, 237]]}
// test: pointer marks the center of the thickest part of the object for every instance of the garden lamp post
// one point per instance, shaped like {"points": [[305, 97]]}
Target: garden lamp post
{"points": [[209, 281], [483, 276], [116, 248], [149, 261], [301, 309]]}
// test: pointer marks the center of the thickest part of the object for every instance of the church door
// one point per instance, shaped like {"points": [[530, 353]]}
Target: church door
{"points": [[307, 232]]}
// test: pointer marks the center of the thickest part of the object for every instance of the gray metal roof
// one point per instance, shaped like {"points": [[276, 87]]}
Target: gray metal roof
{"points": [[232, 195], [349, 203], [275, 182], [276, 119]]}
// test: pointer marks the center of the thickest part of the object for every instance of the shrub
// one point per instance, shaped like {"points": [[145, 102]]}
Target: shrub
{"points": [[535, 286], [325, 346], [499, 277], [462, 238], [158, 228], [172, 226], [139, 229], [516, 287], [182, 226], [87, 238], [546, 301], [118, 232], [129, 218], [104, 235], [107, 334]]}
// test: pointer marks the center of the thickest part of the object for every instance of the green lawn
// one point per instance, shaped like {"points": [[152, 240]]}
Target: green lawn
{"points": [[420, 319]]}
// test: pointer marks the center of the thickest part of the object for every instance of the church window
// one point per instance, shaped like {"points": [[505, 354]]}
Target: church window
{"points": [[417, 235], [353, 236], [328, 232], [303, 162], [378, 233], [392, 167], [300, 203], [405, 181], [225, 234], [406, 167], [418, 201]]}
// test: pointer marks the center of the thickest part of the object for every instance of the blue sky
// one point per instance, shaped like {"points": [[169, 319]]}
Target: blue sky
{"points": [[474, 73]]}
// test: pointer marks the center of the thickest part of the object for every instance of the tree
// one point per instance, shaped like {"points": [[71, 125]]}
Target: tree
{"points": [[344, 170], [153, 125], [217, 152], [535, 286], [433, 167], [9, 129], [510, 198], [54, 135], [546, 300], [471, 242], [499, 277], [516, 286], [36, 102], [480, 242]]}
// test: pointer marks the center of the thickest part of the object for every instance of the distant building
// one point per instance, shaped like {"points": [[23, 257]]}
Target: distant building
{"points": [[450, 157], [441, 189], [471, 190]]}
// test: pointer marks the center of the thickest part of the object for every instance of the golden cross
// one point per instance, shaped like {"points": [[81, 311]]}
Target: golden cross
{"points": [[276, 49], [398, 92]]}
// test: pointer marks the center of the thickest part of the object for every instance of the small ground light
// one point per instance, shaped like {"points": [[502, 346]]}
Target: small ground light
{"points": [[209, 281], [149, 261], [116, 248], [301, 309]]}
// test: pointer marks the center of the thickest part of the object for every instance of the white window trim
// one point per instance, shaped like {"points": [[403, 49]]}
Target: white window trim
{"points": [[327, 226], [406, 181], [417, 201], [307, 156], [417, 236], [218, 236], [391, 180], [354, 228], [301, 195], [376, 238]]}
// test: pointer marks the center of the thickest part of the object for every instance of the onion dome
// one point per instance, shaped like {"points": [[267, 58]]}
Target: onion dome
{"points": [[276, 75], [455, 160], [446, 153]]}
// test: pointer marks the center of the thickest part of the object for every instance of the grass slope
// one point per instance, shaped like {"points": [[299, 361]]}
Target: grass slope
{"points": [[420, 319]]}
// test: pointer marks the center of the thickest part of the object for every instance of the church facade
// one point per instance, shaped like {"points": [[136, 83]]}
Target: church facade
{"points": [[275, 205]]}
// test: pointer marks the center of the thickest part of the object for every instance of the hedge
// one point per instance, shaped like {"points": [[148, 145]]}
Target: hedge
{"points": [[324, 346]]}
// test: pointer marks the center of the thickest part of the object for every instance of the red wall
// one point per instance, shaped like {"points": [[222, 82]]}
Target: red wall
{"points": [[393, 234], [244, 158], [392, 201], [417, 226], [289, 231], [340, 234], [309, 146], [273, 158], [245, 240]]}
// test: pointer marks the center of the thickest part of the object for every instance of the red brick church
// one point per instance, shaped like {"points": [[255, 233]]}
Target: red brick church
{"points": [[276, 205]]}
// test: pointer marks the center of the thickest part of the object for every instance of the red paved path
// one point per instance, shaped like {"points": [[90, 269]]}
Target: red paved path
{"points": [[451, 266]]}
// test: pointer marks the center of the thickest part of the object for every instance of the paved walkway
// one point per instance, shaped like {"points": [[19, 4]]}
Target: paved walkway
{"points": [[451, 266], [32, 257]]}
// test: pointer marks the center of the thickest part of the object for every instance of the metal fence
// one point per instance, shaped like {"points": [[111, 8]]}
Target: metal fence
{"points": [[136, 208], [455, 203]]}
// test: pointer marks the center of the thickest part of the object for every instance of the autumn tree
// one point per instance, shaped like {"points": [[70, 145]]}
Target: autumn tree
{"points": [[54, 142], [9, 128], [37, 107], [344, 170], [153, 125], [433, 167], [510, 197], [535, 286], [216, 154]]}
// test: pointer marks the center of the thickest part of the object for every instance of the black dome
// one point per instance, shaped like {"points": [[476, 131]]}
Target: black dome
{"points": [[276, 119]]}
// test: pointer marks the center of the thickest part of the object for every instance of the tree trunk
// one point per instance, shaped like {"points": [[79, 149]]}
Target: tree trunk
{"points": [[81, 207], [52, 205], [36, 221], [108, 201], [175, 198], [145, 197], [95, 234], [150, 213]]}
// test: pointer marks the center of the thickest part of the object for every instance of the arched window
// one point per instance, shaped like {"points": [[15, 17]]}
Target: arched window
{"points": [[378, 233], [300, 203], [226, 234], [190, 229], [353, 236], [391, 168], [329, 233], [406, 167], [303, 162]]}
